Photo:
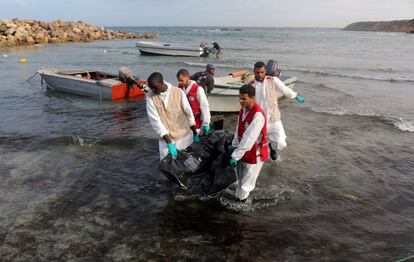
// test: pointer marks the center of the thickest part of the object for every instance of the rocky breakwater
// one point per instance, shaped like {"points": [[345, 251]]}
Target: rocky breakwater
{"points": [[18, 32]]}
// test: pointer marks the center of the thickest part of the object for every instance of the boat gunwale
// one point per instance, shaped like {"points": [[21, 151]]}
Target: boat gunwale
{"points": [[287, 81], [57, 74]]}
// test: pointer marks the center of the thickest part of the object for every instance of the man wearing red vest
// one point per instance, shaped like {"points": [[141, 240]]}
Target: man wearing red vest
{"points": [[197, 99], [250, 141]]}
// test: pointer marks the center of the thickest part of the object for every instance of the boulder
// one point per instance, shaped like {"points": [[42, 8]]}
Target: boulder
{"points": [[11, 25], [22, 30], [60, 23], [20, 37], [30, 40], [3, 41], [3, 28], [10, 30], [76, 30], [39, 37], [53, 33], [11, 40], [44, 25], [30, 22], [81, 27], [61, 35]]}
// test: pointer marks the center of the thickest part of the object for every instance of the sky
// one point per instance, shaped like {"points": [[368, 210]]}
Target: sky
{"points": [[238, 13]]}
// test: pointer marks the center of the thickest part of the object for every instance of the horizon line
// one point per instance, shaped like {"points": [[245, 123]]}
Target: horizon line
{"points": [[215, 26]]}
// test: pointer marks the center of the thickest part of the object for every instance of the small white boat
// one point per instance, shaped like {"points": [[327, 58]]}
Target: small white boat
{"points": [[91, 83], [225, 95], [170, 49]]}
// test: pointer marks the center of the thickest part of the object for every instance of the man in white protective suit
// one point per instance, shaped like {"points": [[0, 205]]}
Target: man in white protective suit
{"points": [[266, 96], [170, 116]]}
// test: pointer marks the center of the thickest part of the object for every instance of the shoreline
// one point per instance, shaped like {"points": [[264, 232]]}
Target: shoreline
{"points": [[18, 32]]}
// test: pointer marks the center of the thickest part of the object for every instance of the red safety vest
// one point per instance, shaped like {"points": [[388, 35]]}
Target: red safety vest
{"points": [[194, 103], [251, 155]]}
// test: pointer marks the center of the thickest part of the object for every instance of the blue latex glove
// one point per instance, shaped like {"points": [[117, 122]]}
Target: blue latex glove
{"points": [[196, 139], [172, 150], [233, 162], [206, 128], [300, 99]]}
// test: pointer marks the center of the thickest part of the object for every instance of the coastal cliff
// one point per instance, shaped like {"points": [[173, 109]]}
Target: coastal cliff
{"points": [[406, 26], [18, 32]]}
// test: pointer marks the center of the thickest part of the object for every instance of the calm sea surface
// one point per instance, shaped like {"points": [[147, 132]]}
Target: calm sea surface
{"points": [[79, 179]]}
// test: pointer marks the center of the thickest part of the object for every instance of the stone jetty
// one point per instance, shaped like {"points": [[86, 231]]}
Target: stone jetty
{"points": [[18, 32]]}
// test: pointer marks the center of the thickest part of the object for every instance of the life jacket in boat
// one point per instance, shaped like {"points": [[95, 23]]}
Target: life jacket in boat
{"points": [[260, 148], [194, 104]]}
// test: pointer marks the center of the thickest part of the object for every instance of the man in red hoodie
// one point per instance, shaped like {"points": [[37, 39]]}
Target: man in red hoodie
{"points": [[250, 141]]}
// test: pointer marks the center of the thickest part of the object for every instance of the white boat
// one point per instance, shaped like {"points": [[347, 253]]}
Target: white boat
{"points": [[225, 95], [170, 49], [90, 83]]}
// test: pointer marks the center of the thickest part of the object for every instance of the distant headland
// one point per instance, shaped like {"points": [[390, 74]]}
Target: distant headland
{"points": [[405, 26], [18, 32]]}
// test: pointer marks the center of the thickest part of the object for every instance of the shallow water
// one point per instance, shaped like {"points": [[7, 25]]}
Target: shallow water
{"points": [[79, 179]]}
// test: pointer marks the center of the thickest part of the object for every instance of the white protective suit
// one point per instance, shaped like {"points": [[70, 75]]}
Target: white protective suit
{"points": [[275, 131], [247, 173], [159, 127]]}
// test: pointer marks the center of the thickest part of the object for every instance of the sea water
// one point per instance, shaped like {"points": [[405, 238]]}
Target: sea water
{"points": [[79, 178]]}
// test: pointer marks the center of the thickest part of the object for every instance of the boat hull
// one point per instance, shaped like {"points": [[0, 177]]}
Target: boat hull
{"points": [[225, 95], [102, 89], [157, 49]]}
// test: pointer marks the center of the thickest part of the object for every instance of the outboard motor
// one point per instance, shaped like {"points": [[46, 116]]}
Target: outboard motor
{"points": [[126, 76], [204, 49], [272, 68]]}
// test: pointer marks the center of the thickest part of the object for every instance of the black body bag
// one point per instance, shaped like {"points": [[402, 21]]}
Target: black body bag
{"points": [[203, 168]]}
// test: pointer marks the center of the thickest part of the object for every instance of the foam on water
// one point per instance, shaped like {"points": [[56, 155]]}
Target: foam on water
{"points": [[381, 75], [398, 122], [342, 111], [83, 141], [261, 198], [404, 125]]}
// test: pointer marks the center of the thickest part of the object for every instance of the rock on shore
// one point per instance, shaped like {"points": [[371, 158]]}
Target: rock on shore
{"points": [[383, 26], [18, 32]]}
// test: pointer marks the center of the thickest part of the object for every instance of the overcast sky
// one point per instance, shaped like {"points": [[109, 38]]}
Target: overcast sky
{"points": [[273, 13]]}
